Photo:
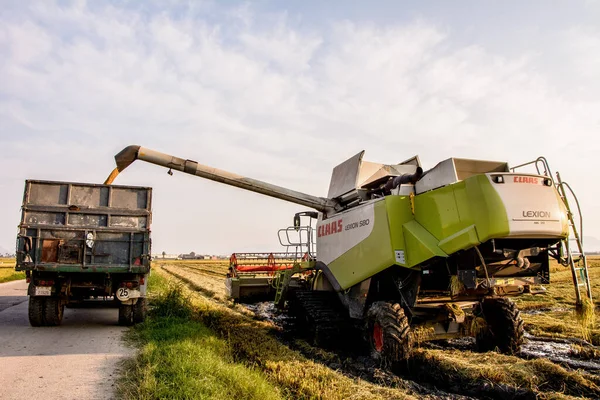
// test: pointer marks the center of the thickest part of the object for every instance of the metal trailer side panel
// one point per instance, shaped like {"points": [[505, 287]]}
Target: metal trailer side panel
{"points": [[81, 227]]}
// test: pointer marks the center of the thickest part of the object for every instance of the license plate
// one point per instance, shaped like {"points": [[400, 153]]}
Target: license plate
{"points": [[43, 290]]}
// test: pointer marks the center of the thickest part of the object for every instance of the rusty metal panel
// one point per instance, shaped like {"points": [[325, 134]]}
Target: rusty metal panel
{"points": [[50, 250], [129, 199], [93, 227], [129, 222], [90, 220], [43, 218], [47, 193], [89, 196]]}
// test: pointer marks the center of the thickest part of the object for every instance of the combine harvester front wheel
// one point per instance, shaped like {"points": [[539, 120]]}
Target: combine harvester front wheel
{"points": [[389, 332]]}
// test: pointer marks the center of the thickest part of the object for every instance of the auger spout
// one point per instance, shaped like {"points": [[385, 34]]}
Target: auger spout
{"points": [[131, 153]]}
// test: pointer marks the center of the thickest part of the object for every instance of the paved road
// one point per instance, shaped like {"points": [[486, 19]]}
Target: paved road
{"points": [[77, 360]]}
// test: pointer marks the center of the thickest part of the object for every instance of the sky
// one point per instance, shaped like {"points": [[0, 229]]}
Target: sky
{"points": [[283, 91]]}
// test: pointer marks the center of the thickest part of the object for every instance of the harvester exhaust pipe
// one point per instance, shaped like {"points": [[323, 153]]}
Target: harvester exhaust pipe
{"points": [[403, 179], [131, 153]]}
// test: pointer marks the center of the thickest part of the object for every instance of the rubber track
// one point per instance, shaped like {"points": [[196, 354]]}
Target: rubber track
{"points": [[327, 319]]}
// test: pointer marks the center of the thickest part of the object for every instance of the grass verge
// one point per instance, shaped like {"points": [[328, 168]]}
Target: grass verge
{"points": [[252, 344], [180, 358]]}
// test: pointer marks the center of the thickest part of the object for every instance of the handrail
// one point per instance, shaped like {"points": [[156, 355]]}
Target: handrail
{"points": [[563, 185], [284, 235], [541, 159]]}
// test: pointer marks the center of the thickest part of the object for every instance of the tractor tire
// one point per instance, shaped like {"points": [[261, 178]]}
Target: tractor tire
{"points": [[53, 311], [139, 311], [504, 329], [36, 311], [125, 314], [388, 333]]}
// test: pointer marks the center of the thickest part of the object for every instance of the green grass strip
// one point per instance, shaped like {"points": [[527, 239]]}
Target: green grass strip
{"points": [[180, 358]]}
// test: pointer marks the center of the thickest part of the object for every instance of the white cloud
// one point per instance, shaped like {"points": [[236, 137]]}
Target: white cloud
{"points": [[269, 97]]}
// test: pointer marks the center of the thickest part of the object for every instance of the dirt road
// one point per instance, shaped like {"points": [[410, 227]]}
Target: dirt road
{"points": [[77, 360]]}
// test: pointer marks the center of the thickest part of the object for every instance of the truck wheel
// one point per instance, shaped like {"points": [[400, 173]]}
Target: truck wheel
{"points": [[388, 332], [36, 311], [139, 311], [504, 327], [125, 314], [53, 311]]}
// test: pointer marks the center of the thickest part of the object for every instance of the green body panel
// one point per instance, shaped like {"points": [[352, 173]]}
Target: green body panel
{"points": [[372, 255], [458, 241], [437, 212], [463, 214], [445, 220], [484, 207], [398, 213], [420, 244]]}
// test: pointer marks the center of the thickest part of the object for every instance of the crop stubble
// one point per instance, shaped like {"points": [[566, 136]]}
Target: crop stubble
{"points": [[488, 375]]}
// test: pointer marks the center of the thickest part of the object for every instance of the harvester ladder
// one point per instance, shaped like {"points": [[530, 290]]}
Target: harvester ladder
{"points": [[573, 245], [282, 282], [567, 255]]}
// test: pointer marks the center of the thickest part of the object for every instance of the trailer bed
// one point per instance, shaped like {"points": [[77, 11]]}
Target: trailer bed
{"points": [[82, 227]]}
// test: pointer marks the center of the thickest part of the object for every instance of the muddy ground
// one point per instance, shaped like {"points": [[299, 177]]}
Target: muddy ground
{"points": [[575, 359]]}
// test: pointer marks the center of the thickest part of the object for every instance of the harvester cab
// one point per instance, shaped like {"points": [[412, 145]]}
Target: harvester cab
{"points": [[411, 255]]}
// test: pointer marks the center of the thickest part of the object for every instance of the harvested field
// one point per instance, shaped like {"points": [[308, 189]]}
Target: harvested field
{"points": [[552, 314], [210, 282], [7, 270], [557, 362]]}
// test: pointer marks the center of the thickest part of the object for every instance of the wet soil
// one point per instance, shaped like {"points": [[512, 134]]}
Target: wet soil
{"points": [[358, 363], [355, 364], [559, 351], [539, 311]]}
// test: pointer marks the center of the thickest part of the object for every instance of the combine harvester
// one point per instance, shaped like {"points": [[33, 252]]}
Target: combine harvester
{"points": [[410, 255]]}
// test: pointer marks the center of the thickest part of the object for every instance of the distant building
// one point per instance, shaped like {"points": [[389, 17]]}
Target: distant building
{"points": [[191, 256], [165, 256]]}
